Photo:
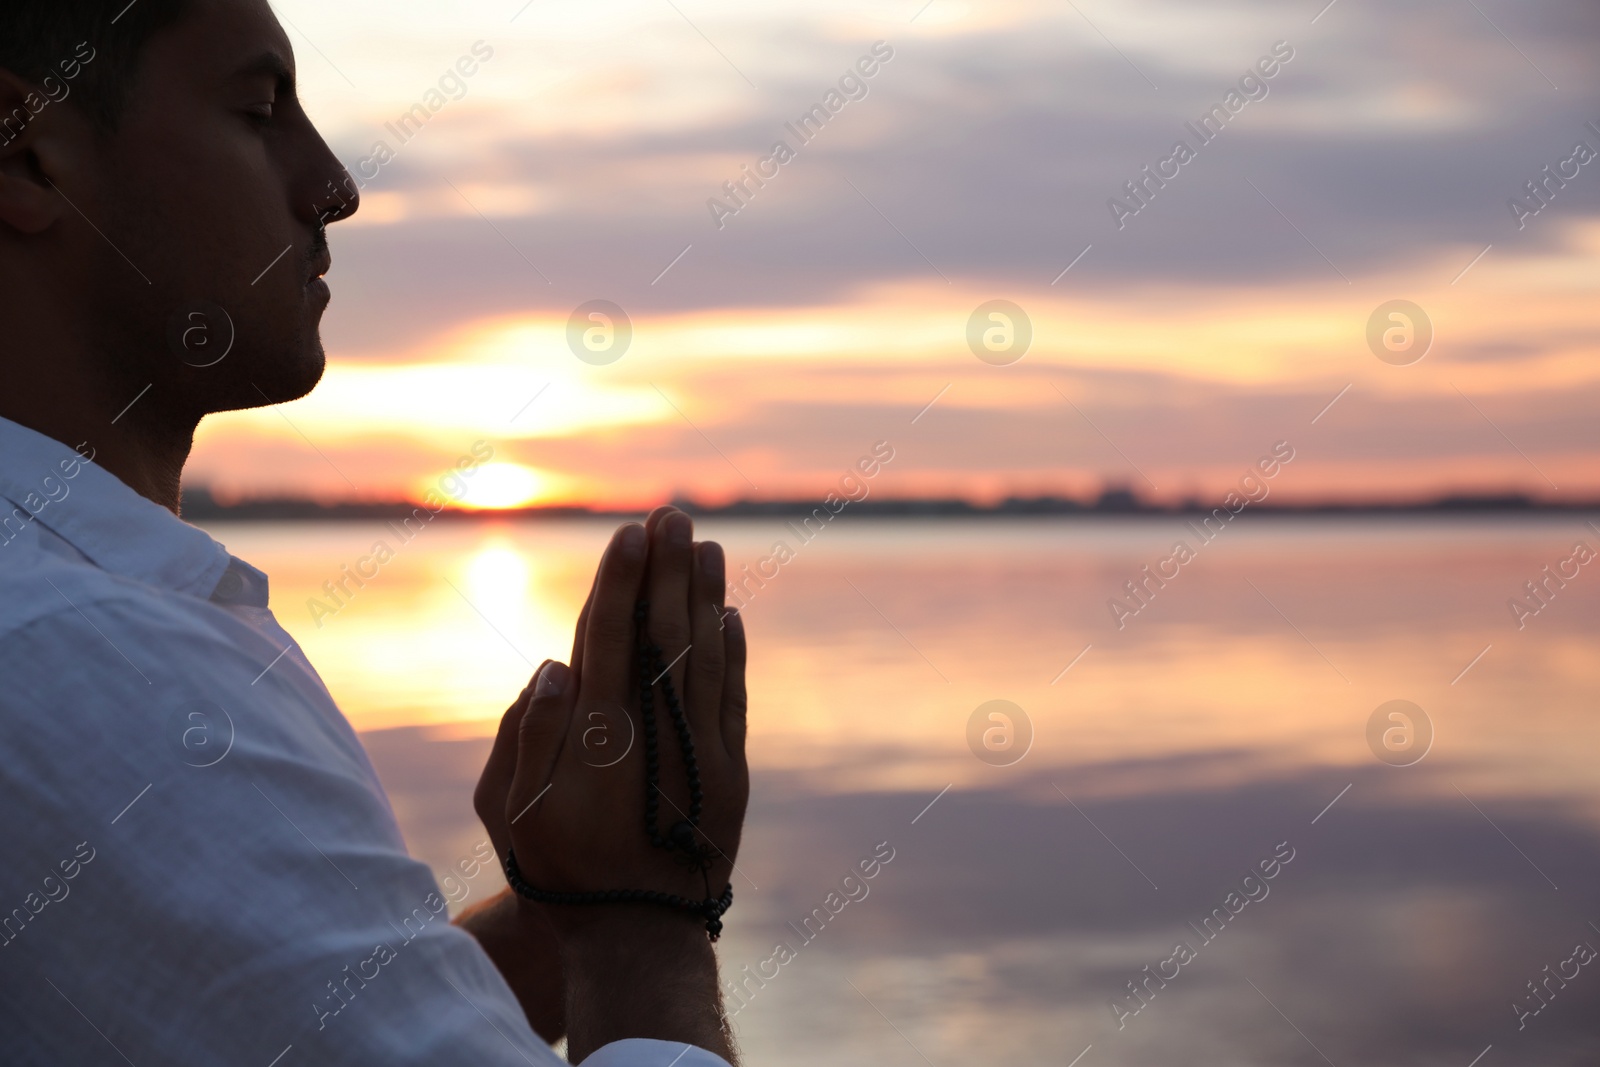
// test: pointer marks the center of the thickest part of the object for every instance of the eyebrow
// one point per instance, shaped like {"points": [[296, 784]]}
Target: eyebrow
{"points": [[270, 65]]}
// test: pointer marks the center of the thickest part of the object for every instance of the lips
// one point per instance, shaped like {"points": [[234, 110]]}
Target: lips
{"points": [[321, 265]]}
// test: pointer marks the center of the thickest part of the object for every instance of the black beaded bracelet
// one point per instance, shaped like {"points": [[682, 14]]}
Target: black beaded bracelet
{"points": [[710, 909], [681, 837]]}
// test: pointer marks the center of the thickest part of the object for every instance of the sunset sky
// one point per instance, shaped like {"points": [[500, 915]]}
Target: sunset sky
{"points": [[770, 352]]}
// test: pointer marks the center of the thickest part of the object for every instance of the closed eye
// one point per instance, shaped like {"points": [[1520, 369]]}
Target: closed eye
{"points": [[264, 82]]}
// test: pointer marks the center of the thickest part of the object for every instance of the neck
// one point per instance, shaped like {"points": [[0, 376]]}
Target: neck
{"points": [[104, 385], [135, 437]]}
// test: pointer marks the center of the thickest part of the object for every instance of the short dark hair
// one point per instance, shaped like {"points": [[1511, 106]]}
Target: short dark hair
{"points": [[41, 39]]}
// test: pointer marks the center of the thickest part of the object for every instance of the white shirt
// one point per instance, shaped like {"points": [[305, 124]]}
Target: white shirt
{"points": [[200, 866]]}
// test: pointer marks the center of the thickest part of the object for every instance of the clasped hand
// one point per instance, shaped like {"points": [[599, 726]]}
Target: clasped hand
{"points": [[565, 783]]}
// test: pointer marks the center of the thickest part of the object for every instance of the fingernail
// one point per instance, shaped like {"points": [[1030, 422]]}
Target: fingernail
{"points": [[680, 530], [712, 564], [633, 540], [552, 680], [534, 681]]}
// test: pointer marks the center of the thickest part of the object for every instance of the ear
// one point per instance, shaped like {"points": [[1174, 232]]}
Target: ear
{"points": [[35, 133]]}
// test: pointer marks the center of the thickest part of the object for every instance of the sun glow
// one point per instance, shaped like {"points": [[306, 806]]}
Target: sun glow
{"points": [[498, 573], [495, 486]]}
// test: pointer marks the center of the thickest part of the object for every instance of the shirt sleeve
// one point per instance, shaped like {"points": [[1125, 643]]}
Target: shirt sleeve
{"points": [[201, 867]]}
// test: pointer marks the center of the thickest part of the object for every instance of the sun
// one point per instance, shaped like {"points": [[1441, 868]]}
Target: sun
{"points": [[496, 486]]}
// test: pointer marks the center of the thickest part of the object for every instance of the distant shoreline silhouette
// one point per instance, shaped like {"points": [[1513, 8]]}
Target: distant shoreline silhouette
{"points": [[199, 505]]}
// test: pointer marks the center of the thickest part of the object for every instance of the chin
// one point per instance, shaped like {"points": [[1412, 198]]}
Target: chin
{"points": [[272, 379], [299, 379]]}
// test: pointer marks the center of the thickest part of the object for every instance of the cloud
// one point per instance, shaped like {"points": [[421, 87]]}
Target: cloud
{"points": [[993, 154], [1221, 317]]}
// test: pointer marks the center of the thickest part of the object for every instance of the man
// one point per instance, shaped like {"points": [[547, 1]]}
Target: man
{"points": [[200, 866]]}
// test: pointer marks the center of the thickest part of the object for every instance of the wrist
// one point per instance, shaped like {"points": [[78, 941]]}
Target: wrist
{"points": [[524, 949], [597, 933], [634, 970]]}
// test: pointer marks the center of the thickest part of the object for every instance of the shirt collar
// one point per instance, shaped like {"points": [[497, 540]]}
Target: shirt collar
{"points": [[96, 513]]}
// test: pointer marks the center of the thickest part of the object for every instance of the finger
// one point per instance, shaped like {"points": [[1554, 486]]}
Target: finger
{"points": [[540, 737], [655, 517], [608, 653], [582, 627], [667, 589], [703, 692], [494, 784], [734, 699], [581, 630], [583, 616]]}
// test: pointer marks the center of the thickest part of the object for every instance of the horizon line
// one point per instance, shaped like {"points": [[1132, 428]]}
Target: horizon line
{"points": [[200, 504]]}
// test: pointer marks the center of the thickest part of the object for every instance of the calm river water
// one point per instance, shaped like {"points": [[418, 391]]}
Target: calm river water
{"points": [[1080, 874]]}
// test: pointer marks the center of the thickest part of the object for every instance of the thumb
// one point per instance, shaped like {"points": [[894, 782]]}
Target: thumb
{"points": [[541, 737], [494, 784]]}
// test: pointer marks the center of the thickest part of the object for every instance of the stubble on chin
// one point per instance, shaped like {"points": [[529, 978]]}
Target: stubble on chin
{"points": [[289, 374]]}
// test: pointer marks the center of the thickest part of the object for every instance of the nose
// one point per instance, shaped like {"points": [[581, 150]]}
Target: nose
{"points": [[329, 193], [340, 198]]}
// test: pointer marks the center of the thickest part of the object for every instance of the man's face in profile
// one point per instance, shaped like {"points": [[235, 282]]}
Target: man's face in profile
{"points": [[214, 190]]}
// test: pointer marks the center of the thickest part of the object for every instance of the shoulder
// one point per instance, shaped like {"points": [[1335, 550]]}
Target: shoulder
{"points": [[39, 578], [100, 663]]}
